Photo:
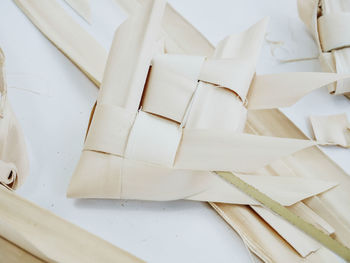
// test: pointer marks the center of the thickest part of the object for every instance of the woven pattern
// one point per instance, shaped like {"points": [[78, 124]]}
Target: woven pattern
{"points": [[163, 122], [329, 24], [176, 84]]}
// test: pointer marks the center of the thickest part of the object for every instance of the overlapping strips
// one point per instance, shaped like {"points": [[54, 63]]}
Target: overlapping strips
{"points": [[173, 88], [157, 134], [329, 23], [333, 31], [13, 156], [334, 38]]}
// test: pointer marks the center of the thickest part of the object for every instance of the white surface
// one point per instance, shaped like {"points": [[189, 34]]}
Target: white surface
{"points": [[54, 112]]}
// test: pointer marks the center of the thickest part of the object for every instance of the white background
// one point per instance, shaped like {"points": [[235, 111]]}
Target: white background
{"points": [[52, 100]]}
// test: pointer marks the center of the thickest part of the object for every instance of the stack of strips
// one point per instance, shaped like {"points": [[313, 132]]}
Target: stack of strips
{"points": [[329, 23], [142, 147], [14, 165]]}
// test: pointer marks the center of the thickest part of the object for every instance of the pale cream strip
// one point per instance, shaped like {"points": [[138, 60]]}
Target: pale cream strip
{"points": [[331, 129], [334, 30], [109, 129], [220, 99], [176, 25], [218, 107], [300, 241], [246, 44], [67, 35], [122, 88], [171, 21], [130, 56], [87, 181], [286, 189], [153, 140], [308, 11], [284, 89], [171, 83], [233, 74], [290, 188], [82, 7], [13, 153], [220, 150], [164, 184], [120, 95], [232, 67], [341, 60], [11, 253], [51, 238]]}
